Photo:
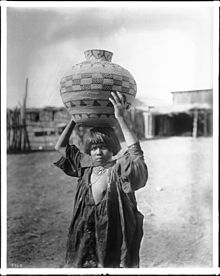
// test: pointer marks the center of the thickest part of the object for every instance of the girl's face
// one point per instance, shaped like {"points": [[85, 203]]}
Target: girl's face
{"points": [[100, 154]]}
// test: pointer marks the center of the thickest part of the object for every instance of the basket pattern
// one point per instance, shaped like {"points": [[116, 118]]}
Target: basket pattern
{"points": [[98, 81], [86, 89]]}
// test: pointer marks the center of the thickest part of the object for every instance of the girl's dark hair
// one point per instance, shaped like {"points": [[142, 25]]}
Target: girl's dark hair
{"points": [[102, 135]]}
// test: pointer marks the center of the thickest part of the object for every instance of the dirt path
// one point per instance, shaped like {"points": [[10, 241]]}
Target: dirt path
{"points": [[177, 204]]}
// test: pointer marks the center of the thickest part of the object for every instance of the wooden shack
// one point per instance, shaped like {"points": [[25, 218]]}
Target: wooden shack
{"points": [[42, 128], [44, 125], [190, 114]]}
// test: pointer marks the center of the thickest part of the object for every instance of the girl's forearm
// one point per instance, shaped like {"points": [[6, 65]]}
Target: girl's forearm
{"points": [[64, 137], [130, 137]]}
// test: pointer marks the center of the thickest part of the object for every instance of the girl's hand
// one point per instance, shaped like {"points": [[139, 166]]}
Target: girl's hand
{"points": [[72, 118], [120, 105]]}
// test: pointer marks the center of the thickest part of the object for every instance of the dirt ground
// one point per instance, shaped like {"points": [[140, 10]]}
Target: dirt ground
{"points": [[177, 204]]}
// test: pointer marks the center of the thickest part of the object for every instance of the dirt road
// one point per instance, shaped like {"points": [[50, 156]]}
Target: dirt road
{"points": [[177, 204]]}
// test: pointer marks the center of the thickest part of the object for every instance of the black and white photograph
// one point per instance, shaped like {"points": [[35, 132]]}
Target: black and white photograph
{"points": [[111, 111]]}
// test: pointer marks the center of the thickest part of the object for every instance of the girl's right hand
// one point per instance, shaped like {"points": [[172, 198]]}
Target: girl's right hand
{"points": [[120, 105]]}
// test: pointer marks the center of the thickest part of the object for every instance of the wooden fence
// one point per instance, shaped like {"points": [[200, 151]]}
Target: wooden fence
{"points": [[17, 136]]}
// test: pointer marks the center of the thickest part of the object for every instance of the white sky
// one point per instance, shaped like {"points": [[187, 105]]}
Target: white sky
{"points": [[165, 48]]}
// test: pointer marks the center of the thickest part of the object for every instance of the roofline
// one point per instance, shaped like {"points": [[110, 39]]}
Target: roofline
{"points": [[199, 90]]}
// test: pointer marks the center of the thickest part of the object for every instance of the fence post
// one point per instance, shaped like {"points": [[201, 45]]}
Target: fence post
{"points": [[195, 123]]}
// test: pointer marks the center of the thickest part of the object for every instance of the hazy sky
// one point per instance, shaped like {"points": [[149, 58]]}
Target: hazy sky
{"points": [[165, 48]]}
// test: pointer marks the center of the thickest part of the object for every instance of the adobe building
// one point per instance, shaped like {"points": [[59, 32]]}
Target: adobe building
{"points": [[191, 114]]}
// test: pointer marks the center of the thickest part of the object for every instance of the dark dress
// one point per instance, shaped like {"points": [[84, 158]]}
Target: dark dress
{"points": [[107, 234]]}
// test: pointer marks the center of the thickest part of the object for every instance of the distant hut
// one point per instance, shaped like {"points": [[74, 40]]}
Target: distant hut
{"points": [[191, 114], [199, 106], [44, 125]]}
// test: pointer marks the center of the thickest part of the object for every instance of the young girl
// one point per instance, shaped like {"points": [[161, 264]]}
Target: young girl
{"points": [[106, 228]]}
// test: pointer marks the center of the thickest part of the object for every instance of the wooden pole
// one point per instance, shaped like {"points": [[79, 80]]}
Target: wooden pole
{"points": [[195, 123], [205, 129], [8, 130], [20, 132], [14, 129], [17, 129], [150, 127], [26, 143], [146, 124]]}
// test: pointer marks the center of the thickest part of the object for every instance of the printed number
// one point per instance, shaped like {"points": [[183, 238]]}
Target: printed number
{"points": [[15, 265]]}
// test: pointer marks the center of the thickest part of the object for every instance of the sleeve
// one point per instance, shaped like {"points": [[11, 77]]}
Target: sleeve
{"points": [[132, 170], [74, 161]]}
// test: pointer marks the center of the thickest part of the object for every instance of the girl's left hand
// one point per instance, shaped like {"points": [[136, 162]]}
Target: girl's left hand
{"points": [[120, 104]]}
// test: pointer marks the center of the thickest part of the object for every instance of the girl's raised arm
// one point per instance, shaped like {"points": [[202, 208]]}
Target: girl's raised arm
{"points": [[64, 138], [120, 109], [133, 170]]}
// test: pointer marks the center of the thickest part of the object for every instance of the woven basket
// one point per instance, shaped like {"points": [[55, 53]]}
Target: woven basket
{"points": [[86, 89]]}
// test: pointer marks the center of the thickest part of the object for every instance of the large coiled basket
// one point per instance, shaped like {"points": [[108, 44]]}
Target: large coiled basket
{"points": [[86, 89]]}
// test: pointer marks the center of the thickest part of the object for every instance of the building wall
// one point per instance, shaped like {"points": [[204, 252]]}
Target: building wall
{"points": [[44, 126], [181, 122], [194, 96]]}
